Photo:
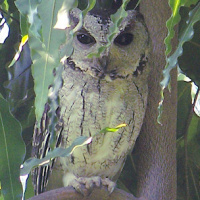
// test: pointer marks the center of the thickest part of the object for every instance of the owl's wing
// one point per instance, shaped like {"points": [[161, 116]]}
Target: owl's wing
{"points": [[40, 148]]}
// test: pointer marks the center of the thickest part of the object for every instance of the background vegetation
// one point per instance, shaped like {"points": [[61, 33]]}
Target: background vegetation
{"points": [[24, 84]]}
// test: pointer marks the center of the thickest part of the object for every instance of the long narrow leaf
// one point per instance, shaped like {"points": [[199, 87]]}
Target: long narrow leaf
{"points": [[186, 34], [12, 152], [174, 19]]}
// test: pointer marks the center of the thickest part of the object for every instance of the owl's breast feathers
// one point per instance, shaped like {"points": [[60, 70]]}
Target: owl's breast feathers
{"points": [[102, 91], [88, 105]]}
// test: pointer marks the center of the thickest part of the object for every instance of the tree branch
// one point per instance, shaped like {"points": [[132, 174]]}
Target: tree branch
{"points": [[68, 193]]}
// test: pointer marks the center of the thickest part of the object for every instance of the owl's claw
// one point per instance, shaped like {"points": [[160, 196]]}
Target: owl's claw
{"points": [[110, 184], [89, 182], [70, 179]]}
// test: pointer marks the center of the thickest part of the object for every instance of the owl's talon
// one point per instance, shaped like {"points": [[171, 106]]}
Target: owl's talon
{"points": [[89, 182], [70, 179], [110, 184]]}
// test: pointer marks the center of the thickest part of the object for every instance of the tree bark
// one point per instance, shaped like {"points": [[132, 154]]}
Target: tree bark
{"points": [[68, 193], [157, 143]]}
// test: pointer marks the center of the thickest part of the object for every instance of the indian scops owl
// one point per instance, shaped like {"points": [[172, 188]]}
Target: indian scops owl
{"points": [[101, 92]]}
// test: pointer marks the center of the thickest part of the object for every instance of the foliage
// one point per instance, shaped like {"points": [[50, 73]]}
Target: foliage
{"points": [[30, 76], [187, 58], [185, 34], [12, 150]]}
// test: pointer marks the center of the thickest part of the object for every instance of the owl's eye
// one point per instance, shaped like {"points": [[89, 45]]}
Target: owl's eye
{"points": [[124, 39], [85, 38]]}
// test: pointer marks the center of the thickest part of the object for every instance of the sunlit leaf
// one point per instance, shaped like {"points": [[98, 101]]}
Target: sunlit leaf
{"points": [[63, 20], [108, 129], [17, 55]]}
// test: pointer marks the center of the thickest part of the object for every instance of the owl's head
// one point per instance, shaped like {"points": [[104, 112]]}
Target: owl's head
{"points": [[127, 54]]}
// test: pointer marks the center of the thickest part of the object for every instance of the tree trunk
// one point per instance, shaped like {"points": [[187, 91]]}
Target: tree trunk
{"points": [[157, 143]]}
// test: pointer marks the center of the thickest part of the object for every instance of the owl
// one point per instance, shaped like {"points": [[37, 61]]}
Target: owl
{"points": [[98, 92]]}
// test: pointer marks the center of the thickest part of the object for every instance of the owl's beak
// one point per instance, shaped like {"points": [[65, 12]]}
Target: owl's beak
{"points": [[100, 66], [103, 62]]}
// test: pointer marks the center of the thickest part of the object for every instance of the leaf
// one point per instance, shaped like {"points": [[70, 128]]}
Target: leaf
{"points": [[184, 105], [19, 87], [116, 18], [12, 152], [67, 49], [192, 158], [189, 61], [45, 42], [107, 129], [32, 163], [4, 29], [174, 19], [63, 20], [29, 9], [185, 35], [17, 55], [7, 52]]}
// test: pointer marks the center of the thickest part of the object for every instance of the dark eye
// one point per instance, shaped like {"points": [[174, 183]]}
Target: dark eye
{"points": [[124, 39], [85, 39]]}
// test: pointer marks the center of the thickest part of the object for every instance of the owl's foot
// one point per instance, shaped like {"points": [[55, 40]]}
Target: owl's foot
{"points": [[108, 183], [70, 179]]}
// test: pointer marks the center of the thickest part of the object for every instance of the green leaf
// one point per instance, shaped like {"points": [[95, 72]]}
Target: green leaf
{"points": [[185, 35], [184, 105], [17, 55], [12, 152], [29, 9], [32, 163], [45, 41], [189, 61], [107, 129], [191, 145], [45, 54], [174, 19], [63, 20], [116, 18], [67, 49]]}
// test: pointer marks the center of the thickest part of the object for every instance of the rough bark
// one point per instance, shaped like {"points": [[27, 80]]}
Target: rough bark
{"points": [[157, 143]]}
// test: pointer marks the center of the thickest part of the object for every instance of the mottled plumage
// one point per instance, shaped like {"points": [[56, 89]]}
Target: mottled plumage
{"points": [[101, 92]]}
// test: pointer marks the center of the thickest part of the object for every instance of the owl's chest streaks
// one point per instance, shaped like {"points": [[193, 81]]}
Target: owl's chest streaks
{"points": [[89, 105]]}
